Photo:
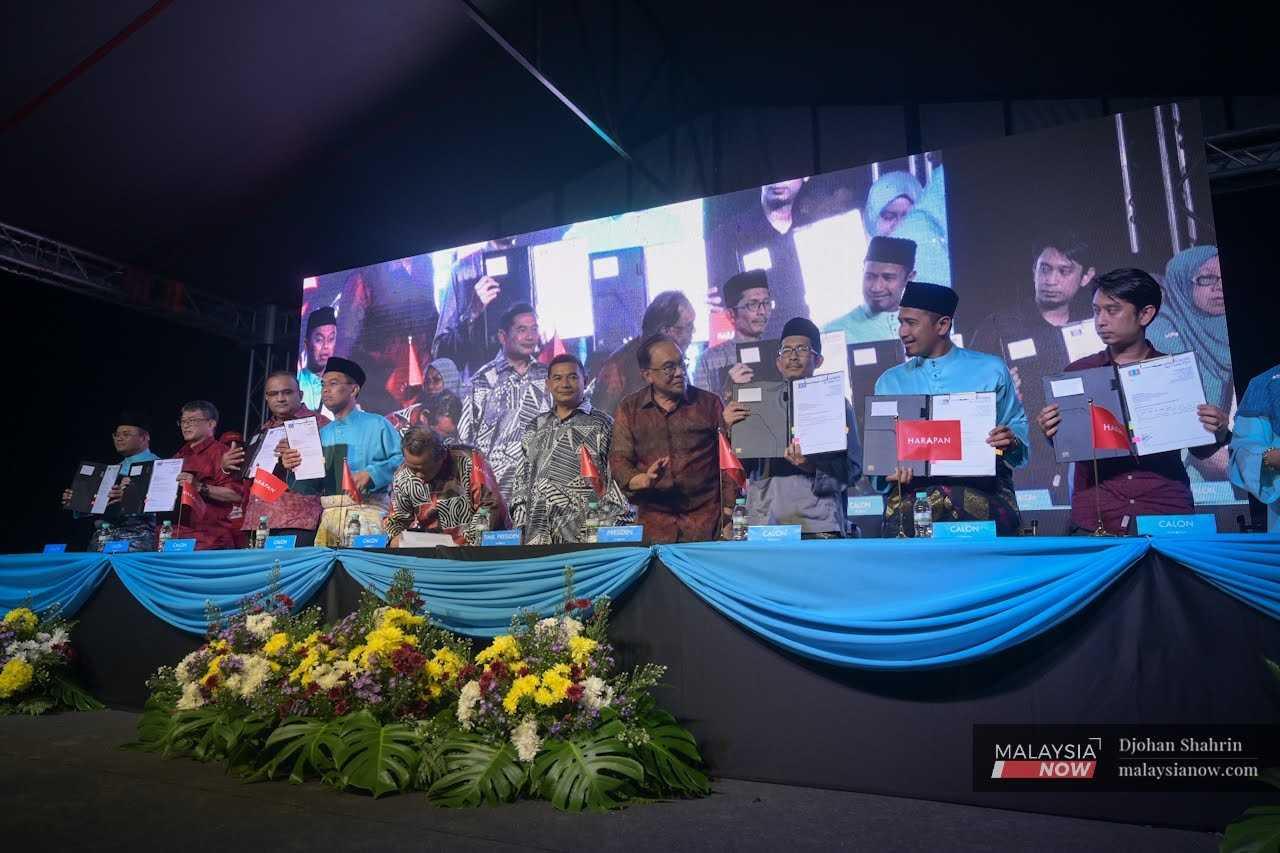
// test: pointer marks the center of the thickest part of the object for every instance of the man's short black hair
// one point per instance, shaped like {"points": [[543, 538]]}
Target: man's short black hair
{"points": [[509, 316], [204, 407], [418, 440], [647, 345], [567, 358], [1068, 243], [663, 312], [1134, 286]]}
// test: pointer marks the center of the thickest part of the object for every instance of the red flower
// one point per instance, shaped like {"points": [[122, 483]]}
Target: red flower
{"points": [[283, 600], [407, 660], [575, 672], [340, 708], [524, 670], [576, 604], [574, 693]]}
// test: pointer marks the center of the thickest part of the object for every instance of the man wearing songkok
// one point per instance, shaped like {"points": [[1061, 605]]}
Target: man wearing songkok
{"points": [[367, 442], [504, 395], [749, 306], [889, 265], [132, 440], [554, 486], [440, 489], [321, 340], [209, 522], [1255, 448], [936, 366], [297, 510], [805, 489], [671, 314], [1125, 301]]}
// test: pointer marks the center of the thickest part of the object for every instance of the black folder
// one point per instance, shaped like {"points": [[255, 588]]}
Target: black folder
{"points": [[880, 435], [1072, 391], [764, 359], [766, 433], [135, 495], [867, 362], [85, 485]]}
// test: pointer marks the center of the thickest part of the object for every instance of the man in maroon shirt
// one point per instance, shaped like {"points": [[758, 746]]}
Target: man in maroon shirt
{"points": [[297, 511], [1125, 301], [665, 453], [201, 457]]}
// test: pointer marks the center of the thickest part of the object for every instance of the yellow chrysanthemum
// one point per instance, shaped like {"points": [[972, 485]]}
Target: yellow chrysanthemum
{"points": [[219, 647], [21, 619], [521, 688], [553, 686], [212, 671], [580, 648], [15, 676], [300, 647], [277, 644], [398, 617], [444, 665], [315, 656], [504, 646], [384, 641]]}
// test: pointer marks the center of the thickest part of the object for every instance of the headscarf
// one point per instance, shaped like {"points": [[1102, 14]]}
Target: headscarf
{"points": [[449, 373], [886, 189], [1182, 327], [1262, 397]]}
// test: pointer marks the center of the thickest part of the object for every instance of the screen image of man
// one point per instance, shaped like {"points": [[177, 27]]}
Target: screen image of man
{"points": [[665, 453], [132, 440], [296, 512], [505, 395], [211, 524], [370, 447], [889, 265], [440, 489], [551, 495], [936, 366], [321, 340], [671, 314], [1125, 301], [749, 305]]}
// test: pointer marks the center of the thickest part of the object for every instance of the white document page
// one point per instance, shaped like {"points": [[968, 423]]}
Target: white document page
{"points": [[266, 457], [162, 492], [818, 419], [836, 360], [976, 412], [1081, 339], [304, 437], [1162, 395], [100, 499]]}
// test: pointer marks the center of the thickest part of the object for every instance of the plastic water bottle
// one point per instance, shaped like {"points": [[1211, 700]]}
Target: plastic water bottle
{"points": [[166, 533], [740, 520], [591, 530], [261, 533], [100, 538], [922, 515], [353, 530]]}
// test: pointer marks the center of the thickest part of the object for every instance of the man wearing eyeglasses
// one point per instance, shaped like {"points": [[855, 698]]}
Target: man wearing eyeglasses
{"points": [[201, 456], [132, 440], [665, 451], [749, 306]]}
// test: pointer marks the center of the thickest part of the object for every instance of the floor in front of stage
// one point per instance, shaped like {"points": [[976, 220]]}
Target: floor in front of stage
{"points": [[64, 782]]}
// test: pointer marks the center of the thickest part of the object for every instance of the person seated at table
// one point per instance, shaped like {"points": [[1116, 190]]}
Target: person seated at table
{"points": [[132, 440], [665, 454], [804, 489], [440, 489], [935, 365], [1125, 301], [210, 523], [550, 498], [1255, 449]]}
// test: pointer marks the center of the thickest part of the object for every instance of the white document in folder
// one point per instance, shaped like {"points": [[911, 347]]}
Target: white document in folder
{"points": [[266, 456], [818, 419], [304, 437], [104, 489], [162, 491], [1162, 395], [976, 412]]}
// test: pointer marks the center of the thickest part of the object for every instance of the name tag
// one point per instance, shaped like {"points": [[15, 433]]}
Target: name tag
{"points": [[55, 548], [1034, 499], [773, 533], [281, 543], [179, 546], [370, 540], [500, 537], [964, 530], [1177, 525], [866, 505], [623, 533], [115, 546]]}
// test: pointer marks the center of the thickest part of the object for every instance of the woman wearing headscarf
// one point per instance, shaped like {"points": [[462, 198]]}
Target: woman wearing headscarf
{"points": [[889, 201], [1255, 443], [441, 397], [898, 205]]}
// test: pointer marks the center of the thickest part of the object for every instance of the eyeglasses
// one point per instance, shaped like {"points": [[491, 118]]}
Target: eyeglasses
{"points": [[755, 305], [186, 422], [1208, 281], [802, 350], [672, 368]]}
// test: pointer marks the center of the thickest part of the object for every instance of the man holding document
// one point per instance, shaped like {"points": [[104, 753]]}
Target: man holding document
{"points": [[208, 491], [1166, 409], [971, 387], [132, 440]]}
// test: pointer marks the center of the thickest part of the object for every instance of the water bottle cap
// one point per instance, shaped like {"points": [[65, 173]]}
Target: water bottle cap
{"points": [[261, 519], [922, 494], [740, 501]]}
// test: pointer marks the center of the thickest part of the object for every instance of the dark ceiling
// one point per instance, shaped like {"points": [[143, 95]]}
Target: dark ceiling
{"points": [[240, 145]]}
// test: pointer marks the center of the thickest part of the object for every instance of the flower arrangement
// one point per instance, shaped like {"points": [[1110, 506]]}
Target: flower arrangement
{"points": [[384, 700], [35, 665]]}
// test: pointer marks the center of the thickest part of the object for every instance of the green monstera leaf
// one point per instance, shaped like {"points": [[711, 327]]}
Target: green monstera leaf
{"points": [[71, 695], [374, 757], [305, 745], [670, 758], [476, 772], [586, 771], [1256, 831]]}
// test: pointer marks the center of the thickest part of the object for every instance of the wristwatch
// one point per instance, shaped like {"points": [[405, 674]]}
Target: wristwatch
{"points": [[204, 490]]}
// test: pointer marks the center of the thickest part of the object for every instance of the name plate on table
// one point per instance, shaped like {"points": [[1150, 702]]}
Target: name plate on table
{"points": [[773, 533], [1034, 499], [964, 530], [370, 540], [281, 543], [622, 533], [1176, 525], [179, 546], [866, 505], [115, 546], [500, 537], [55, 548]]}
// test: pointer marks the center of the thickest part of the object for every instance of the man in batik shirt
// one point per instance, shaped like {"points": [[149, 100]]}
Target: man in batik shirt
{"points": [[505, 395], [551, 494], [441, 489]]}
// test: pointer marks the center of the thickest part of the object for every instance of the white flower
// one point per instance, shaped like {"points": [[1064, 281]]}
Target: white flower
{"points": [[328, 675], [526, 740], [59, 637], [467, 702], [566, 625], [256, 670], [191, 697], [596, 694], [260, 625], [183, 670]]}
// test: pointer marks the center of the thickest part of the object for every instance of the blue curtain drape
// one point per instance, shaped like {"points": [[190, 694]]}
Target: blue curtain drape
{"points": [[1243, 565], [49, 579], [902, 604], [175, 587], [478, 598]]}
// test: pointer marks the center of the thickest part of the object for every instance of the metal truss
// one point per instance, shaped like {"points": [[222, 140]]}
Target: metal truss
{"points": [[1244, 159]]}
